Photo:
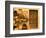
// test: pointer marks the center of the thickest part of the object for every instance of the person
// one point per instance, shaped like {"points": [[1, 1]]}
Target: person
{"points": [[15, 13], [24, 27]]}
